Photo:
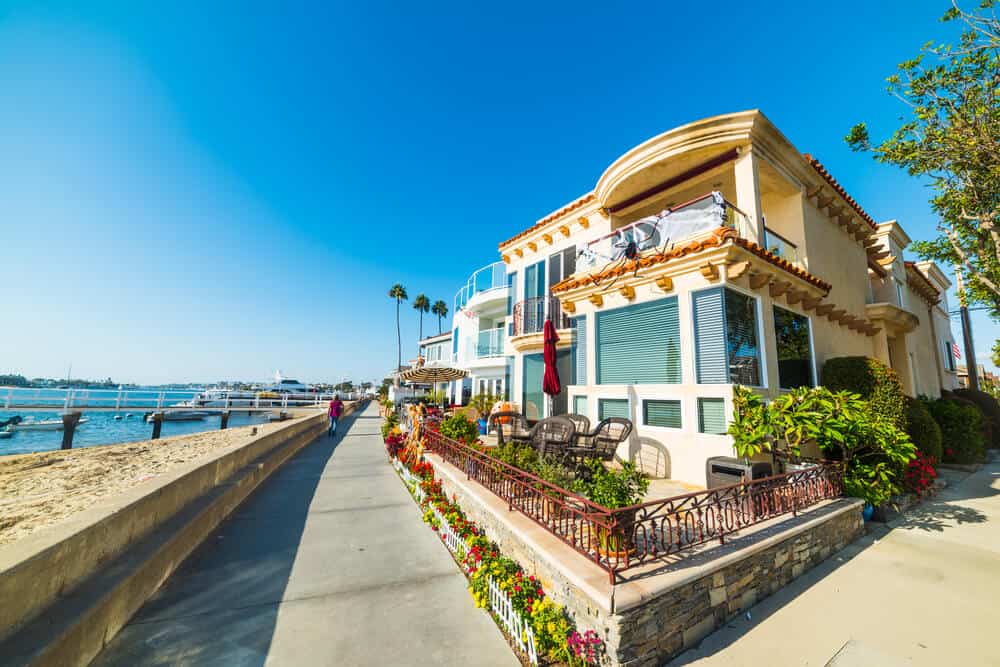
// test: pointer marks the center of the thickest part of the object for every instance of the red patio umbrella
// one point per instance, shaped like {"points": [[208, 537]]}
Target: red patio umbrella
{"points": [[550, 381]]}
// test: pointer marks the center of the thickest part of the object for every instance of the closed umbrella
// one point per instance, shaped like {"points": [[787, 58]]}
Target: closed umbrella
{"points": [[550, 380]]}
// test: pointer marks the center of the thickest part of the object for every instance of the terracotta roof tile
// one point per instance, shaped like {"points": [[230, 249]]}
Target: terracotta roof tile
{"points": [[718, 238], [586, 199], [818, 166]]}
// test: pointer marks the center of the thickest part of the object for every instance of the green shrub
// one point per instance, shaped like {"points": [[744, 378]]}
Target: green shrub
{"points": [[457, 427], [961, 429], [873, 380], [391, 420], [612, 488], [990, 409], [922, 429], [518, 454]]}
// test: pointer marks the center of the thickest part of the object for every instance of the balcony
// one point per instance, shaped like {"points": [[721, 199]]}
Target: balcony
{"points": [[490, 343], [530, 314], [492, 277], [778, 245]]}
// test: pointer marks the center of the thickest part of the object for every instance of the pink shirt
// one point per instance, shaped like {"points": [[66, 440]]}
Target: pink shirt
{"points": [[335, 409]]}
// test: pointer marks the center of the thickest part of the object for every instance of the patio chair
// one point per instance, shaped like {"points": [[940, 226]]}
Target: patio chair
{"points": [[553, 436], [515, 423], [603, 441], [582, 423]]}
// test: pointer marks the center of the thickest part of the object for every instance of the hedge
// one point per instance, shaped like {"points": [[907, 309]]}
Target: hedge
{"points": [[922, 429], [990, 409], [873, 380], [961, 429]]}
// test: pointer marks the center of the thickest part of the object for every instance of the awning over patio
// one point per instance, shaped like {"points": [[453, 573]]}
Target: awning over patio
{"points": [[431, 373]]}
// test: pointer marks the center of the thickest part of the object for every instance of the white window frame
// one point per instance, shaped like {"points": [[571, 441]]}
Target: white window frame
{"points": [[761, 348]]}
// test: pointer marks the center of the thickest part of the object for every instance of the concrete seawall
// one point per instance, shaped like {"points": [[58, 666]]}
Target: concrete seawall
{"points": [[76, 584]]}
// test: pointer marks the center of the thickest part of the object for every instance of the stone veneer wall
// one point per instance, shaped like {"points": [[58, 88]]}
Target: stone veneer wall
{"points": [[675, 618], [663, 627]]}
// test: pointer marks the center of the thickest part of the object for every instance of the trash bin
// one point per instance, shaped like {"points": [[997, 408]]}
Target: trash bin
{"points": [[726, 470]]}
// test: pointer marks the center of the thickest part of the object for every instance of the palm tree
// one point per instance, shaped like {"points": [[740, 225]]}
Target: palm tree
{"points": [[398, 292], [421, 304], [440, 308]]}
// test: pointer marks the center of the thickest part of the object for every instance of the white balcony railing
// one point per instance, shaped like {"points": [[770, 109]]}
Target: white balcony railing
{"points": [[489, 277], [490, 343]]}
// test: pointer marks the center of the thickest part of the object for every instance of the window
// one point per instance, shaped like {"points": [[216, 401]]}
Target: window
{"points": [[533, 398], [580, 405], [791, 333], [580, 362], [562, 265], [613, 407], [712, 415], [899, 293], [661, 413], [639, 344], [534, 281], [949, 355], [454, 343], [726, 346]]}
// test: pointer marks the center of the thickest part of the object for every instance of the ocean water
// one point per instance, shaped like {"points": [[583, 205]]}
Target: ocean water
{"points": [[102, 429]]}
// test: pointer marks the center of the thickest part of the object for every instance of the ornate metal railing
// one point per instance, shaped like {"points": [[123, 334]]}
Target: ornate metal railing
{"points": [[530, 314], [619, 539]]}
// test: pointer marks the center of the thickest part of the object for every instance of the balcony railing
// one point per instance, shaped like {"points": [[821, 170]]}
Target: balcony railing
{"points": [[530, 314], [490, 343], [778, 245], [489, 277]]}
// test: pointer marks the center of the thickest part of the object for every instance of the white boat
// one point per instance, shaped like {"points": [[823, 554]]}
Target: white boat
{"points": [[44, 424], [6, 432]]}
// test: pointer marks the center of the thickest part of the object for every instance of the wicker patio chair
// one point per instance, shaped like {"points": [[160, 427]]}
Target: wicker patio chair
{"points": [[515, 423], [603, 441], [582, 423], [553, 436]]}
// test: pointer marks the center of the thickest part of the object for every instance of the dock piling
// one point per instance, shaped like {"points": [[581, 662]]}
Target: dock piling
{"points": [[224, 424], [70, 420], [157, 424]]}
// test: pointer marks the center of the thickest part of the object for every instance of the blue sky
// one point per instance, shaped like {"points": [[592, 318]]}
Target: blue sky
{"points": [[199, 191]]}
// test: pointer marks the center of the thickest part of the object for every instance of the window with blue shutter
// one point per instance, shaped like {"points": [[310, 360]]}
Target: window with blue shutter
{"points": [[712, 415], [511, 292], [726, 342], [613, 407], [454, 342], [580, 405], [639, 344], [533, 398], [666, 413], [580, 362]]}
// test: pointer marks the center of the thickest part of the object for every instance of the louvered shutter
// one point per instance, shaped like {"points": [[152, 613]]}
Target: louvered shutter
{"points": [[580, 405], [639, 344], [580, 362], [710, 337], [712, 415], [613, 407], [662, 413]]}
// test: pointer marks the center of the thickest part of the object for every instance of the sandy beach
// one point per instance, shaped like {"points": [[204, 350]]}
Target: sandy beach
{"points": [[42, 489]]}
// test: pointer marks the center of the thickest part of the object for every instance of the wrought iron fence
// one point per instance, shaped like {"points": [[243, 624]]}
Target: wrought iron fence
{"points": [[619, 539], [530, 314]]}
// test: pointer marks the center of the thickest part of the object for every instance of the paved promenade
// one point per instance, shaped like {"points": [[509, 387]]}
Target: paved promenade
{"points": [[328, 563], [923, 593]]}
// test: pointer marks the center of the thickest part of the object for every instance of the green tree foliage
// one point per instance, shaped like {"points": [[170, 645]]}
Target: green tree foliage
{"points": [[398, 293], [440, 308], [951, 136], [873, 380], [922, 429], [990, 410], [421, 304], [875, 452], [457, 427]]}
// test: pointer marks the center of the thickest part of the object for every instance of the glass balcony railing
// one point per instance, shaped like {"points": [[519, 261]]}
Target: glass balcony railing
{"points": [[489, 277], [778, 245], [490, 343]]}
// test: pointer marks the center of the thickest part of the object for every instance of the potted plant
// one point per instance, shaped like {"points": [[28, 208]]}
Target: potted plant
{"points": [[615, 490]]}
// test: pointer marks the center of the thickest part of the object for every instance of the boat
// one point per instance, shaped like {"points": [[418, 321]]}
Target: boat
{"points": [[180, 416], [44, 424], [6, 432]]}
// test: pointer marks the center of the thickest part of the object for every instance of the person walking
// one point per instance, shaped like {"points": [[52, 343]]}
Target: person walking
{"points": [[336, 407]]}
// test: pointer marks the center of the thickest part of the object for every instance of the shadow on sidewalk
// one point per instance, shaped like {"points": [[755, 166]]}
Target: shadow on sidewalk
{"points": [[221, 605]]}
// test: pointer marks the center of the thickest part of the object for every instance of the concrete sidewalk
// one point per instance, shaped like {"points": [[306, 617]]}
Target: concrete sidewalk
{"points": [[924, 591], [328, 563]]}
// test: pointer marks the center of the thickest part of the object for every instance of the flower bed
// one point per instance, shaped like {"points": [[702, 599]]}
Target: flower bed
{"points": [[536, 626]]}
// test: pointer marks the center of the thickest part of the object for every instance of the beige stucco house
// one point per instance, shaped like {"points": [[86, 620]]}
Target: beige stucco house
{"points": [[713, 254]]}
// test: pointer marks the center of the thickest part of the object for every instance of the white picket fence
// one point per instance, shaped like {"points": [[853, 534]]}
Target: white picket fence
{"points": [[515, 624], [500, 604]]}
